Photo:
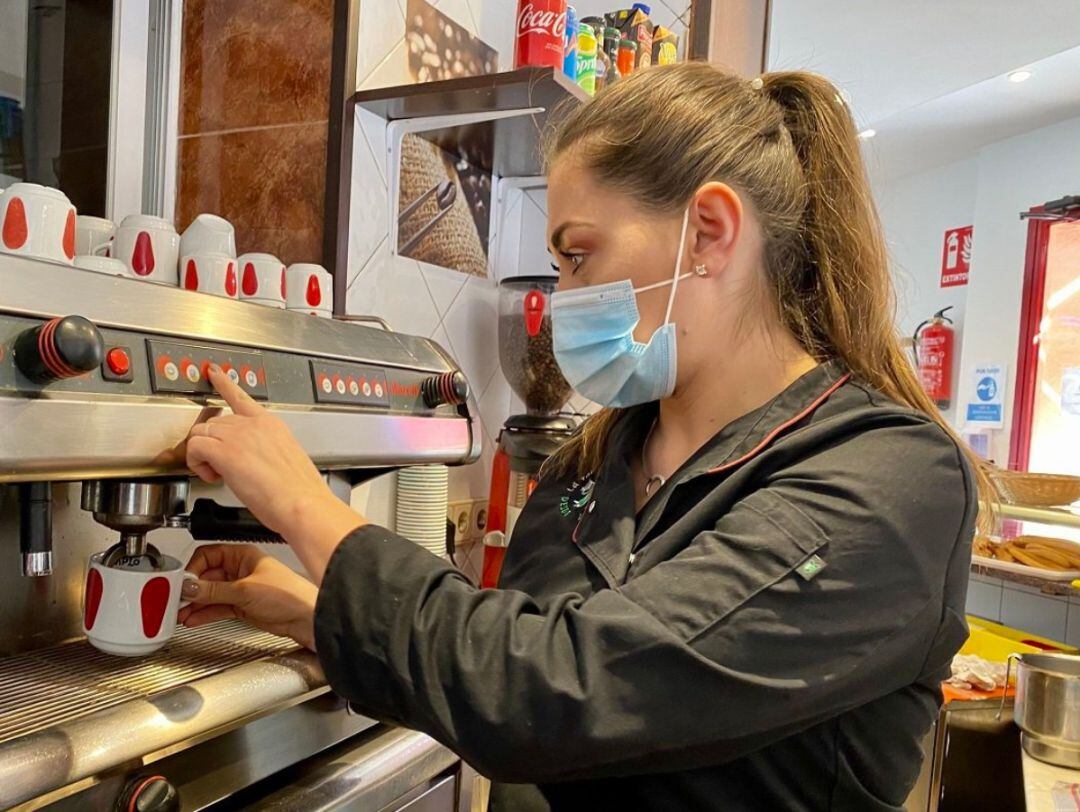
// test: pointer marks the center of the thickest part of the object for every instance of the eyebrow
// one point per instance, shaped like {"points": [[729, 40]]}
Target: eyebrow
{"points": [[557, 234]]}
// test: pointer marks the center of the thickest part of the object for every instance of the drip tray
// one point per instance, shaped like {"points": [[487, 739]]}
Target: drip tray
{"points": [[42, 688]]}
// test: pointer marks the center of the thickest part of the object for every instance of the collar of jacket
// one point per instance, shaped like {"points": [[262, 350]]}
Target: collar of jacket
{"points": [[608, 528]]}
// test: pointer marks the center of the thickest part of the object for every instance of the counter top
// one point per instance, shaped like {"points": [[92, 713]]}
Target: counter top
{"points": [[1039, 780]]}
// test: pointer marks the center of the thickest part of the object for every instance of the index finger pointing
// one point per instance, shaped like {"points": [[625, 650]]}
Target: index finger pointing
{"points": [[239, 401]]}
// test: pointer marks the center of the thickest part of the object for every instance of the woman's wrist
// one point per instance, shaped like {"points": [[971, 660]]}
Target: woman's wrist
{"points": [[317, 524]]}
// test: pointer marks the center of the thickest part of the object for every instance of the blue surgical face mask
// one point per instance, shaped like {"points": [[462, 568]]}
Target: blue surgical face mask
{"points": [[593, 338]]}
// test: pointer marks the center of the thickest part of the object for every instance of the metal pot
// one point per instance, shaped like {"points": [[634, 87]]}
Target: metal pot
{"points": [[1047, 707]]}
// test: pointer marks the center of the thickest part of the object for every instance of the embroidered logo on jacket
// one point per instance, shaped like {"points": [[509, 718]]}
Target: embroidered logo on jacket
{"points": [[577, 496]]}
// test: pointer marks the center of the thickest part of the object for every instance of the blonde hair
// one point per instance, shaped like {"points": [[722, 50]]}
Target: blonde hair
{"points": [[787, 142]]}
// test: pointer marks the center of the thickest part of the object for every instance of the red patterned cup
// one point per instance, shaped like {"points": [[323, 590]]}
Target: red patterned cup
{"points": [[149, 246], [130, 609], [210, 273], [262, 279], [37, 221], [309, 287]]}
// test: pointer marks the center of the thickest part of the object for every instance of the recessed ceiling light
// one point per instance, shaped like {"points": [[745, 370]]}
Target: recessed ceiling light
{"points": [[1019, 76], [868, 133]]}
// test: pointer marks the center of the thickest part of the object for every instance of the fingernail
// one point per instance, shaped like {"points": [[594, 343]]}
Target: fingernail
{"points": [[215, 368], [190, 589]]}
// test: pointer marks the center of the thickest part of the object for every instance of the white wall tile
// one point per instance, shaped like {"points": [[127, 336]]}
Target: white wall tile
{"points": [[393, 70], [369, 209], [393, 287], [533, 259], [984, 600], [444, 285], [373, 128], [472, 324], [507, 243], [382, 27], [1042, 615], [495, 404]]}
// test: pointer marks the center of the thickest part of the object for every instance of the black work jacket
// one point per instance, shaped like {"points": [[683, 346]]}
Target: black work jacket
{"points": [[769, 633]]}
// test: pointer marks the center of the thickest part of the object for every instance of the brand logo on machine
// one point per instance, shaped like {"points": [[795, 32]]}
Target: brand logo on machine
{"points": [[579, 494], [540, 21], [400, 389]]}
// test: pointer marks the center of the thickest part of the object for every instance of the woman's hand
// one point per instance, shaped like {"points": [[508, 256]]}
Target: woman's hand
{"points": [[256, 455], [258, 458], [242, 581]]}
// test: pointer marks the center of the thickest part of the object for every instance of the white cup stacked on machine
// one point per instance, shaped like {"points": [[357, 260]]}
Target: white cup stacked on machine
{"points": [[37, 221], [309, 288], [262, 280], [208, 257]]}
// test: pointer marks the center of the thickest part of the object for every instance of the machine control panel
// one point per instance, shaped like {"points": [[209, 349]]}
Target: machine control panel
{"points": [[181, 368], [351, 384]]}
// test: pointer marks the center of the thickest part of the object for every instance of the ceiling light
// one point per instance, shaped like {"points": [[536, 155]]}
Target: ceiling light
{"points": [[868, 133], [1019, 76]]}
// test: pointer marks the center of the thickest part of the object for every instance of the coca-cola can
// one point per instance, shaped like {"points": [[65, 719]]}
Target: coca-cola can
{"points": [[541, 30]]}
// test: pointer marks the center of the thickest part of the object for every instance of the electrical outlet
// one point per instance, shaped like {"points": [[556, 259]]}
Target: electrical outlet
{"points": [[460, 513], [478, 519]]}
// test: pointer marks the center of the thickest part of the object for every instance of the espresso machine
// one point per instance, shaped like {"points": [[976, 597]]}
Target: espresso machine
{"points": [[101, 378]]}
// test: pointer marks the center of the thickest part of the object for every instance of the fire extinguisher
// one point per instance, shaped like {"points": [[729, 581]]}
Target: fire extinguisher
{"points": [[934, 339]]}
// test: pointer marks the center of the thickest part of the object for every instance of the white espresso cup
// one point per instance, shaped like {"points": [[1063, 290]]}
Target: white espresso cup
{"points": [[262, 279], [149, 246], [209, 273], [106, 265], [91, 233], [131, 609], [37, 221], [209, 234], [309, 288]]}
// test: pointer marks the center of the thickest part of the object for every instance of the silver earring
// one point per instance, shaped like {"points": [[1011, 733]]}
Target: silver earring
{"points": [[701, 270]]}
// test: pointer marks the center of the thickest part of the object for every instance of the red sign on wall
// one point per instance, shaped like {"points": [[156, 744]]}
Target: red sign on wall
{"points": [[956, 257]]}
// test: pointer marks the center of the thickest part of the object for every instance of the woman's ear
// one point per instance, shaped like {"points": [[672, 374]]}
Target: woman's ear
{"points": [[716, 213]]}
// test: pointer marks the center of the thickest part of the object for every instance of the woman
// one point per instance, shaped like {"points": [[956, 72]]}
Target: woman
{"points": [[740, 585]]}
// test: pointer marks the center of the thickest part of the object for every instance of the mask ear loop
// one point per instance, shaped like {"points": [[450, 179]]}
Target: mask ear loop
{"points": [[678, 265]]}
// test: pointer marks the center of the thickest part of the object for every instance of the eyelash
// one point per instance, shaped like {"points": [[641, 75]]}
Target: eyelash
{"points": [[575, 259]]}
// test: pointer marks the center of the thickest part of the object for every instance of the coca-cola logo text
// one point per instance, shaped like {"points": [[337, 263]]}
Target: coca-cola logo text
{"points": [[541, 21]]}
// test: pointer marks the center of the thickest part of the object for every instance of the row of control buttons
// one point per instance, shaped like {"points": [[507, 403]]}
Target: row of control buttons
{"points": [[194, 373], [351, 385]]}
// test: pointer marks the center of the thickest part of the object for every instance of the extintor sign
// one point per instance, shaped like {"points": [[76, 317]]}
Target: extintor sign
{"points": [[956, 257]]}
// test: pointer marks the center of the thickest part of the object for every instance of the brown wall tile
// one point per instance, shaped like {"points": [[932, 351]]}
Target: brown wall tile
{"points": [[269, 183], [249, 63]]}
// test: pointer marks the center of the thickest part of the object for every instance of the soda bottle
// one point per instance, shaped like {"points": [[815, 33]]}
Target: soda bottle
{"points": [[540, 33], [586, 65], [570, 49]]}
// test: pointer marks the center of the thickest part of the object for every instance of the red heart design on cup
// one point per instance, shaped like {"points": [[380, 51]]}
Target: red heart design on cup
{"points": [[251, 280], [153, 600], [69, 235], [191, 276], [142, 257], [94, 589], [314, 294], [15, 229], [230, 280]]}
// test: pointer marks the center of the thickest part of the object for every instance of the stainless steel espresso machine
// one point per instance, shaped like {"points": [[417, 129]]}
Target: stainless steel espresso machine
{"points": [[100, 378]]}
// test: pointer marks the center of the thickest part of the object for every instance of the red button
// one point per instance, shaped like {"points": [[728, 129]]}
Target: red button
{"points": [[118, 361]]}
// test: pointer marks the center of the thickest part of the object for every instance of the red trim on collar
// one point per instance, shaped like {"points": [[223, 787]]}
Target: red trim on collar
{"points": [[772, 435]]}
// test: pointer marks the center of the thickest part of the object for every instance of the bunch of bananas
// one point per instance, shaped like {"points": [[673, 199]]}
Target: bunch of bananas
{"points": [[1034, 551]]}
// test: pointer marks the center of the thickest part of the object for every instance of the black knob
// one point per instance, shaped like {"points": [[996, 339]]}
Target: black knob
{"points": [[450, 387], [148, 793], [59, 348]]}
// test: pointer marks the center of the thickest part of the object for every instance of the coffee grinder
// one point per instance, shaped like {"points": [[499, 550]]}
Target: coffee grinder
{"points": [[526, 440]]}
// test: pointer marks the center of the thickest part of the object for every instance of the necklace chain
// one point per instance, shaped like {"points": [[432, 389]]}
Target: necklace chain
{"points": [[655, 481]]}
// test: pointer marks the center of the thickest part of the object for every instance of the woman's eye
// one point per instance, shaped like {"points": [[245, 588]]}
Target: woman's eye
{"points": [[575, 260]]}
